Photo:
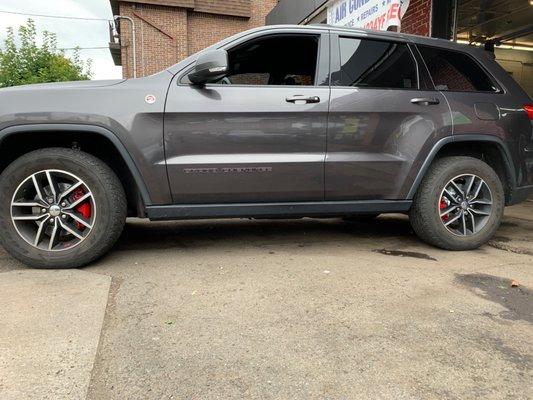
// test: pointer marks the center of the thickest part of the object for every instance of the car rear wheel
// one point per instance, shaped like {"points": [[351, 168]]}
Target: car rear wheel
{"points": [[459, 204], [61, 208]]}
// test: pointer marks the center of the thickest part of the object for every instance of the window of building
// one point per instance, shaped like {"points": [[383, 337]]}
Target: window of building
{"points": [[375, 64], [452, 70], [274, 60]]}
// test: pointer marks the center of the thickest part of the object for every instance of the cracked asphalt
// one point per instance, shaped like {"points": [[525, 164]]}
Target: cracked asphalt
{"points": [[275, 309]]}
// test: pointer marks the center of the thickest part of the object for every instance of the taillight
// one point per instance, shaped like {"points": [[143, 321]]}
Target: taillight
{"points": [[529, 110]]}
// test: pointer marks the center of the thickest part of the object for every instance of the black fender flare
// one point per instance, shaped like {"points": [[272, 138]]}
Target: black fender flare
{"points": [[27, 128], [502, 147]]}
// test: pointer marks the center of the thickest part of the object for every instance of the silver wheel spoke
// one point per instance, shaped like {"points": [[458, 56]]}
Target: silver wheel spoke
{"points": [[479, 212], [449, 196], [473, 219], [39, 235], [482, 202], [26, 204], [78, 219], [69, 191], [451, 221], [38, 189], [70, 230], [470, 184], [448, 210], [29, 217], [458, 188], [79, 201], [51, 184], [53, 235], [478, 190], [463, 220]]}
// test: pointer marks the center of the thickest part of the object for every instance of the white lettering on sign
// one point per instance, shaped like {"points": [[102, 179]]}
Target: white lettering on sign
{"points": [[370, 14]]}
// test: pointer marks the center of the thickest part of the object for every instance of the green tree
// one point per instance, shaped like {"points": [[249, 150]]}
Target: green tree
{"points": [[26, 62]]}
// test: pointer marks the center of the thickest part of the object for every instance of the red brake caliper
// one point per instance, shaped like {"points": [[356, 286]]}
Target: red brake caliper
{"points": [[444, 205], [84, 208]]}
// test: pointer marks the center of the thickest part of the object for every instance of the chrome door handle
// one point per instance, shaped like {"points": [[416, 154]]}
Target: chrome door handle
{"points": [[425, 101], [301, 99]]}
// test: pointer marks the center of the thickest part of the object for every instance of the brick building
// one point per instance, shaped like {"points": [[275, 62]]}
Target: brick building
{"points": [[170, 30]]}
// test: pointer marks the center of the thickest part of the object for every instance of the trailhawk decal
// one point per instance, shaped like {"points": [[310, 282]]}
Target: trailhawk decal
{"points": [[226, 170]]}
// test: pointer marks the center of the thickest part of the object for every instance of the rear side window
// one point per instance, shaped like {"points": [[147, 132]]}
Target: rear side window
{"points": [[452, 70], [375, 64]]}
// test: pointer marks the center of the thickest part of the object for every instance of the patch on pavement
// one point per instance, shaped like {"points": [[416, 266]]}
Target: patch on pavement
{"points": [[49, 332], [399, 253], [516, 299]]}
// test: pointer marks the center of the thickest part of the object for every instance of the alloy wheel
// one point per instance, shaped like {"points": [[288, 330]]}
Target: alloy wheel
{"points": [[53, 210], [465, 205]]}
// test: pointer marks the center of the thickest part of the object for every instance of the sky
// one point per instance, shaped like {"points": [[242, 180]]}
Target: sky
{"points": [[70, 33]]}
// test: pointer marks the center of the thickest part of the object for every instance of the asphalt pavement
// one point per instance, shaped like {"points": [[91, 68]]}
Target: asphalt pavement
{"points": [[275, 309]]}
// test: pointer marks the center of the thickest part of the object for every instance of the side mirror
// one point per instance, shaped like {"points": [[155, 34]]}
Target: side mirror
{"points": [[210, 66]]}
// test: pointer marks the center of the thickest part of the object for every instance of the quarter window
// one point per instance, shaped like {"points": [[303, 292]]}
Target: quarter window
{"points": [[452, 70], [375, 64]]}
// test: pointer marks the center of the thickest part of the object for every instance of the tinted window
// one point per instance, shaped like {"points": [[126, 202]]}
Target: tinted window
{"points": [[375, 63], [274, 60], [456, 71]]}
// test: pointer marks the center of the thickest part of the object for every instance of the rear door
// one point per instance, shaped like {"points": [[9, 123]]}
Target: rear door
{"points": [[482, 104], [384, 113], [259, 134]]}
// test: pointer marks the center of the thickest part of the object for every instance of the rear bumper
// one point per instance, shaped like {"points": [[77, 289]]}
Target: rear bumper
{"points": [[520, 194]]}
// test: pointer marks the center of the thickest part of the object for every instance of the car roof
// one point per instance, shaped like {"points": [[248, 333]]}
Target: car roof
{"points": [[442, 43], [429, 41]]}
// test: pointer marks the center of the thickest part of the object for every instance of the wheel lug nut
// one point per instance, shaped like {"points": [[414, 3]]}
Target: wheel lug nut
{"points": [[63, 204], [51, 220], [64, 216], [43, 210], [50, 200]]}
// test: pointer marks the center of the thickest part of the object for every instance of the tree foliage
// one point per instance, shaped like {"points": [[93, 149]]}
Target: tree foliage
{"points": [[23, 61]]}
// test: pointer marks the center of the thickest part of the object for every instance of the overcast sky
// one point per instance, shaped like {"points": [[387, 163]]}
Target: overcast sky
{"points": [[70, 33]]}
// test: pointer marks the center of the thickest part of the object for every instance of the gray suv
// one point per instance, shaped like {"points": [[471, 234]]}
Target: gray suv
{"points": [[282, 121]]}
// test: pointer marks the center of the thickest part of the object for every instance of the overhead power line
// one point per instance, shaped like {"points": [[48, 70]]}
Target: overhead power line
{"points": [[55, 16], [85, 48]]}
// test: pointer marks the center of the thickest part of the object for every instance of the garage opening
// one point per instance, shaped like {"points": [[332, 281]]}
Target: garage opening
{"points": [[502, 26]]}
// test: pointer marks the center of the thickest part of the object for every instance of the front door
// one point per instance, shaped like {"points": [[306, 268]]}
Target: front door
{"points": [[381, 119], [258, 134]]}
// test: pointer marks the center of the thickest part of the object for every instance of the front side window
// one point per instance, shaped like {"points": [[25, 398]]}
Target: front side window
{"points": [[452, 70], [274, 60], [375, 64]]}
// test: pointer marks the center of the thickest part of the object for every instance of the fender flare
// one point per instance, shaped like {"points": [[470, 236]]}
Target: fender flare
{"points": [[27, 128], [502, 147]]}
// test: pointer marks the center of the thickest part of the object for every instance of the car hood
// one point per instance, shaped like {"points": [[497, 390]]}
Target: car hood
{"points": [[66, 85]]}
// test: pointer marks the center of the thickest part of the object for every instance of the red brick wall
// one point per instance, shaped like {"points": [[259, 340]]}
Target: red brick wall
{"points": [[417, 19], [166, 35]]}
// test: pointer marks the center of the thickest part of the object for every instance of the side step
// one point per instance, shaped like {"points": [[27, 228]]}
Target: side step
{"points": [[276, 210]]}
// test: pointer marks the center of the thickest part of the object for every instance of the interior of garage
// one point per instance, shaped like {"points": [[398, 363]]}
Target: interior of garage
{"points": [[502, 26]]}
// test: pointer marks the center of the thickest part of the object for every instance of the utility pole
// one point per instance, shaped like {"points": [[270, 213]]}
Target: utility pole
{"points": [[134, 49]]}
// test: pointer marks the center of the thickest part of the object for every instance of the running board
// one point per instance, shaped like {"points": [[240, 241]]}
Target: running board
{"points": [[277, 210]]}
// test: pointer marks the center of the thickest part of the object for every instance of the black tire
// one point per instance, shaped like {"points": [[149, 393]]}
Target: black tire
{"points": [[107, 192], [425, 213]]}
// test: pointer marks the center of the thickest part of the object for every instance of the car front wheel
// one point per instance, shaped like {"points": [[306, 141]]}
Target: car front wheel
{"points": [[61, 208]]}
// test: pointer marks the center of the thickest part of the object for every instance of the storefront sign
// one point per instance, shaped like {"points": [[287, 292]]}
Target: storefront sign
{"points": [[370, 14]]}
